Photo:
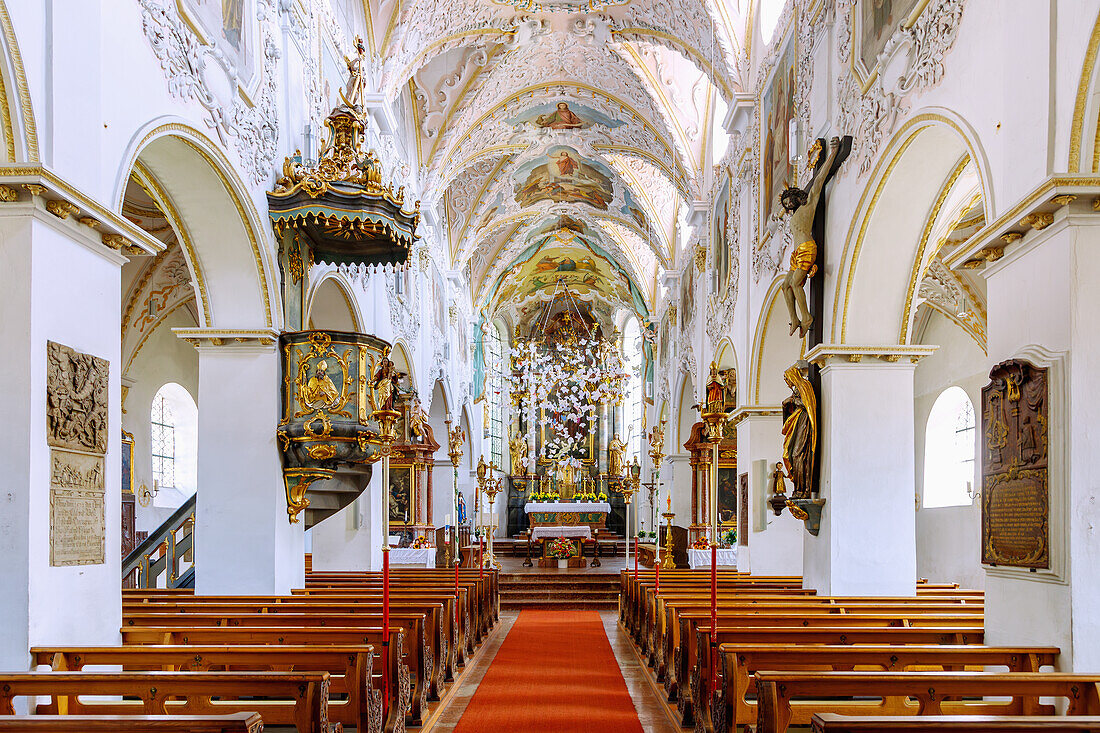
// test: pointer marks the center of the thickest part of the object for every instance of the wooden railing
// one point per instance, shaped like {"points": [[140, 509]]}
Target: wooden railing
{"points": [[167, 548]]}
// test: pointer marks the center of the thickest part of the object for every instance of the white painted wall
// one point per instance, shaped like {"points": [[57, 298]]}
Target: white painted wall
{"points": [[948, 538]]}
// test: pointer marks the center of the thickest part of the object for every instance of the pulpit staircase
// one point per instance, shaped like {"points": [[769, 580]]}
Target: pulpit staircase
{"points": [[165, 559]]}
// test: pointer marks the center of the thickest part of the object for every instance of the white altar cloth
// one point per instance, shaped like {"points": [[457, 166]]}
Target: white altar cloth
{"points": [[701, 558], [587, 507], [422, 556], [581, 530]]}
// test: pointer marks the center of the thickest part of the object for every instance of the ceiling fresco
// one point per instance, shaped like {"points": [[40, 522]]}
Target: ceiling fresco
{"points": [[603, 113]]}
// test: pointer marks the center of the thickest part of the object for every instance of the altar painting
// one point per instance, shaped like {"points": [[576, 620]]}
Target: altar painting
{"points": [[727, 496], [228, 26], [401, 506], [562, 175], [563, 115], [778, 108], [878, 19]]}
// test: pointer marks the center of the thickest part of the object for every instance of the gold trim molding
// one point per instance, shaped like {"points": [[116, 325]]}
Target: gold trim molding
{"points": [[886, 353], [116, 232], [204, 337]]}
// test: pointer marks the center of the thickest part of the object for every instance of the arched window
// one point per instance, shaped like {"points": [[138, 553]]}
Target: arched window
{"points": [[494, 394], [632, 360], [949, 451], [173, 422]]}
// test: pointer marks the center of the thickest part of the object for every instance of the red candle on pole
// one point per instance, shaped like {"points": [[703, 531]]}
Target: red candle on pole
{"points": [[635, 558], [481, 559], [385, 628], [713, 609]]}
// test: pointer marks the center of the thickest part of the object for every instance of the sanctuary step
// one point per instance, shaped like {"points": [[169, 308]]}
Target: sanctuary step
{"points": [[588, 591]]}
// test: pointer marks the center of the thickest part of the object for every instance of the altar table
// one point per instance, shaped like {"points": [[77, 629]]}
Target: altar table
{"points": [[576, 530], [422, 556], [591, 514], [701, 558]]}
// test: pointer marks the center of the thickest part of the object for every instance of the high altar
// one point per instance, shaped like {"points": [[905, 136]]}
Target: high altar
{"points": [[579, 471]]}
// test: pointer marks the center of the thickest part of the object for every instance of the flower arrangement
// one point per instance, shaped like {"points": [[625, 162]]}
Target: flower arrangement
{"points": [[561, 548], [701, 544], [420, 543], [729, 537], [545, 496], [603, 496]]}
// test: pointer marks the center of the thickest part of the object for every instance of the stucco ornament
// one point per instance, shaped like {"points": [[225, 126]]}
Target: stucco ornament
{"points": [[912, 62], [942, 289], [194, 70]]}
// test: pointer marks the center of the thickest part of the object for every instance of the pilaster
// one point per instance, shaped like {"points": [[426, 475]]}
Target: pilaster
{"points": [[867, 542], [244, 540]]}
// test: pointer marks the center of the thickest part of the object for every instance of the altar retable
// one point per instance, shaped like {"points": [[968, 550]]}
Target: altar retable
{"points": [[567, 519]]}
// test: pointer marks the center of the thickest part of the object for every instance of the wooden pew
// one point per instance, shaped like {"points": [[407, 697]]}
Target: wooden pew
{"points": [[232, 723], [833, 723], [699, 689], [299, 699], [421, 642], [400, 700], [351, 669], [791, 698], [731, 708]]}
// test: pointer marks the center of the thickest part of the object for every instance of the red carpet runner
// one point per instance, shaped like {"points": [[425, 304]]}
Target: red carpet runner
{"points": [[555, 672]]}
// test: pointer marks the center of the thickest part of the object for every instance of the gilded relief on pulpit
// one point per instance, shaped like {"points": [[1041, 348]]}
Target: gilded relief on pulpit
{"points": [[323, 382], [76, 399], [1015, 490]]}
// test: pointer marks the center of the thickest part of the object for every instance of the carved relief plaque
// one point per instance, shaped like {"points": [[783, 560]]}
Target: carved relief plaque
{"points": [[76, 399], [77, 523], [1015, 492]]}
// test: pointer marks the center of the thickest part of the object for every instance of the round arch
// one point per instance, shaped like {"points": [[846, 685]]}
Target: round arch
{"points": [[400, 356], [18, 126], [223, 236], [1086, 111], [331, 304], [773, 350], [888, 236], [685, 412]]}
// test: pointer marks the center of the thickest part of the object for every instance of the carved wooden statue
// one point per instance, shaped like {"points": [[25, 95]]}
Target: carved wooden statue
{"points": [[800, 432], [801, 206], [517, 446], [616, 452]]}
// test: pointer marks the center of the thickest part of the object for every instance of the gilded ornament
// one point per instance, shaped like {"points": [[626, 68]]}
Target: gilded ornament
{"points": [[321, 452], [9, 194], [1009, 238], [1038, 220], [35, 189], [89, 222], [996, 252], [1064, 200], [700, 257], [61, 209], [973, 263], [115, 241]]}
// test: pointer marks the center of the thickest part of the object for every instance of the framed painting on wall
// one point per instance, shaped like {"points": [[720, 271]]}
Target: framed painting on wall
{"points": [[719, 229], [230, 27], [401, 492], [777, 108], [743, 510], [727, 496], [874, 21]]}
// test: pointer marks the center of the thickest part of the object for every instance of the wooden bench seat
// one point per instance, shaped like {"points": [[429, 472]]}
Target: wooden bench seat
{"points": [[833, 723], [353, 674], [695, 669], [232, 723], [400, 702], [421, 635], [791, 698], [738, 662], [299, 699]]}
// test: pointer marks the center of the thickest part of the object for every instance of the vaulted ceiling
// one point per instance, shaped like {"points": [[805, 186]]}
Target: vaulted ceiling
{"points": [[583, 127]]}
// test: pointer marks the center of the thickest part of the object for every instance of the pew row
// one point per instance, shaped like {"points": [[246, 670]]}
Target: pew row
{"points": [[232, 723]]}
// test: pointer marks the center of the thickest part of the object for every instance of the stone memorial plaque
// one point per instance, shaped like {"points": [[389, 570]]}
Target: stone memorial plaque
{"points": [[76, 399], [1015, 492], [77, 517]]}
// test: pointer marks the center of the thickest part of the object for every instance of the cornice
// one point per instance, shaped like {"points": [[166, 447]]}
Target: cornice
{"points": [[64, 200], [206, 337], [826, 354]]}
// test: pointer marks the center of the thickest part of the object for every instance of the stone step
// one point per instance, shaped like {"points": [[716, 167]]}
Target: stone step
{"points": [[535, 593], [562, 604]]}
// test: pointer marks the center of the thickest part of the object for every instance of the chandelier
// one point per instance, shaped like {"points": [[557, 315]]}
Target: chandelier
{"points": [[565, 374]]}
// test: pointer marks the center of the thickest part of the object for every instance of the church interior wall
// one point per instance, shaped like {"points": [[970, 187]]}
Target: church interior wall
{"points": [[948, 538]]}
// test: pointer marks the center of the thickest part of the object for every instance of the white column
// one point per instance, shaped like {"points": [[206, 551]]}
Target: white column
{"points": [[1044, 296], [867, 544], [59, 285], [351, 539], [244, 540], [774, 543], [676, 475]]}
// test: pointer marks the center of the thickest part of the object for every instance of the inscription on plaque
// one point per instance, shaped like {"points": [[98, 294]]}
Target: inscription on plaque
{"points": [[77, 520], [1015, 492]]}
